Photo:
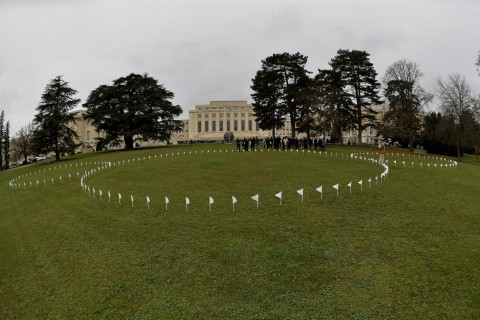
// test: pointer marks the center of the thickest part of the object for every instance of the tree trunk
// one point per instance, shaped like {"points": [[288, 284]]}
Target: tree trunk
{"points": [[411, 142], [128, 142], [359, 124], [292, 121]]}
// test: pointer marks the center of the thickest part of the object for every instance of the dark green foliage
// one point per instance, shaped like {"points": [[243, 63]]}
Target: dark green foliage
{"points": [[360, 85], [54, 121], [135, 107], [6, 146], [2, 128], [337, 108], [269, 113], [438, 135], [402, 120], [278, 87]]}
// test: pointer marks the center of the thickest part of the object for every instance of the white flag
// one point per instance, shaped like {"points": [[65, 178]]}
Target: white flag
{"points": [[108, 196], [336, 187], [279, 195], [119, 199], [256, 198], [234, 200], [131, 198], [350, 186], [100, 194], [210, 201], [187, 202], [166, 203], [361, 185], [320, 189], [300, 192], [148, 202]]}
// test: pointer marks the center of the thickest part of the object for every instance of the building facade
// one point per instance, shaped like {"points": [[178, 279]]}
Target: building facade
{"points": [[210, 122]]}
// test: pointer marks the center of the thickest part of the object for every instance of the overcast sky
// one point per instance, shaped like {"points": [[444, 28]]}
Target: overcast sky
{"points": [[203, 51]]}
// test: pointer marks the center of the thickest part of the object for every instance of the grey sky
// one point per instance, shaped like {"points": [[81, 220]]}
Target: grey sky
{"points": [[206, 51]]}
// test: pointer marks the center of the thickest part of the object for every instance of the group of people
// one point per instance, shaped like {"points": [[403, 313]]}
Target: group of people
{"points": [[248, 144], [277, 143]]}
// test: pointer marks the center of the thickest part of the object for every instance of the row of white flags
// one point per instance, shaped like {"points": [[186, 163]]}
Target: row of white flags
{"points": [[211, 200]]}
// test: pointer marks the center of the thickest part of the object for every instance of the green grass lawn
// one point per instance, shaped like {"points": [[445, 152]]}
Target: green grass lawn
{"points": [[404, 248]]}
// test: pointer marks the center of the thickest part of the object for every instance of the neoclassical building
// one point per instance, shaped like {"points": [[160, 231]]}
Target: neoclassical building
{"points": [[210, 122]]}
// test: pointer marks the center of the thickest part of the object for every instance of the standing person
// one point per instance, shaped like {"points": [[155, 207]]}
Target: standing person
{"points": [[238, 145], [381, 151]]}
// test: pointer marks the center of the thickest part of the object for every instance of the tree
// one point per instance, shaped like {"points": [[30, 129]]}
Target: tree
{"points": [[22, 143], [308, 104], [2, 128], [277, 89], [336, 105], [135, 107], [266, 107], [456, 102], [54, 121], [6, 146], [406, 101], [360, 84]]}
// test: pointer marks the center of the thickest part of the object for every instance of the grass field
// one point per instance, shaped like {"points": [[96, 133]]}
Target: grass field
{"points": [[408, 247]]}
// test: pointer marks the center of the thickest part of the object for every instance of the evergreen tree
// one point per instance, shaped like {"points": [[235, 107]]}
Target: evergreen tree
{"points": [[6, 146], [135, 107], [2, 128], [54, 120], [337, 106], [268, 112], [359, 83], [277, 89]]}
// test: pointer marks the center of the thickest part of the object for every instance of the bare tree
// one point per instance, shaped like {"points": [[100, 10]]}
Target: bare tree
{"points": [[22, 143], [406, 98], [457, 102]]}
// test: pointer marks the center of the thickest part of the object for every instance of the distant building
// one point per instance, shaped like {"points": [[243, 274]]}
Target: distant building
{"points": [[210, 122], [369, 134]]}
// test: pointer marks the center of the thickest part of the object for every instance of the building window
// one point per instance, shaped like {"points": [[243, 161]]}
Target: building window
{"points": [[228, 125], [250, 125], [88, 135], [214, 126], [199, 126], [235, 125], [221, 125], [243, 125], [206, 125], [257, 126]]}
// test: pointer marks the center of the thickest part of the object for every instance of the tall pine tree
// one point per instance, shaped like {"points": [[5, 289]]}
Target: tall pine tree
{"points": [[54, 121], [6, 146], [281, 77], [2, 128], [360, 84]]}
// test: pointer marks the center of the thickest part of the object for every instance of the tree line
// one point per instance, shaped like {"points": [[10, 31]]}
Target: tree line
{"points": [[329, 102], [341, 98]]}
